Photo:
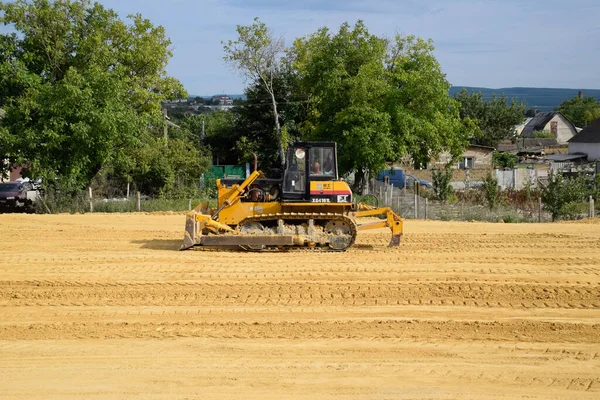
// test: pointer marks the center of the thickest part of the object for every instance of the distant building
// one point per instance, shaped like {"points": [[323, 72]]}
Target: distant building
{"points": [[553, 123], [222, 100], [587, 142]]}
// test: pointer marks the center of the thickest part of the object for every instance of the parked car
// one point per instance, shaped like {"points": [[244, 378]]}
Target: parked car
{"points": [[400, 179], [17, 196]]}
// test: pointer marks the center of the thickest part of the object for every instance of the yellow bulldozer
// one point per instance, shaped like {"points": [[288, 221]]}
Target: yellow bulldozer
{"points": [[309, 207]]}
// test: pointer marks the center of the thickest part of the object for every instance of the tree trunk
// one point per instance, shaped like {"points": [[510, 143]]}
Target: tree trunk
{"points": [[278, 131], [359, 182]]}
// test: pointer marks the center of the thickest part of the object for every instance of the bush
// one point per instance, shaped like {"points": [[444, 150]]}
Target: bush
{"points": [[544, 135], [441, 184], [561, 196], [490, 190], [504, 160]]}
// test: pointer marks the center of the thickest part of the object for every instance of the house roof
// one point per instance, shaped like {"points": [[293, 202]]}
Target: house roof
{"points": [[589, 134], [566, 157], [483, 147], [539, 122]]}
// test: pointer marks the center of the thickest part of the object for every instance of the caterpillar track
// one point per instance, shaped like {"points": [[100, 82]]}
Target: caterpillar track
{"points": [[315, 231]]}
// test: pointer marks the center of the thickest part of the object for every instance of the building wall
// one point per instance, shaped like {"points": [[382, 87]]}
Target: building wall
{"points": [[482, 158], [591, 149], [565, 129]]}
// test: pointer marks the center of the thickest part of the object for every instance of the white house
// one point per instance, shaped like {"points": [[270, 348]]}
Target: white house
{"points": [[552, 123], [587, 141]]}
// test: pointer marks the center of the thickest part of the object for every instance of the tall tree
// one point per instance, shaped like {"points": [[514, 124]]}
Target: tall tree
{"points": [[581, 110], [380, 99], [79, 86], [256, 54], [493, 120]]}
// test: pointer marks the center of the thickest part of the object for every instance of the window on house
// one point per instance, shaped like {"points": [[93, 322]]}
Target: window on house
{"points": [[466, 163]]}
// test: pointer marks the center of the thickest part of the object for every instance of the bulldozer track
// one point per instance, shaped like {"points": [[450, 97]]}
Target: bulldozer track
{"points": [[303, 217]]}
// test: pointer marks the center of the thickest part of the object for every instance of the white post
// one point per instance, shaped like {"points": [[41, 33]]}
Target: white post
{"points": [[91, 200], [139, 201], [426, 206], [592, 210], [127, 190], [539, 209], [416, 206]]}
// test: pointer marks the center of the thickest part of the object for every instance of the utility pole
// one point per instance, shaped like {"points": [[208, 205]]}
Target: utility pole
{"points": [[166, 128]]}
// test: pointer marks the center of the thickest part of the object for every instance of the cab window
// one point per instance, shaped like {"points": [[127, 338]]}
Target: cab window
{"points": [[322, 163]]}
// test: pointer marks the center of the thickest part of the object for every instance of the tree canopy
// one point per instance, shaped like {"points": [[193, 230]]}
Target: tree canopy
{"points": [[492, 121], [256, 54], [580, 111], [380, 99], [80, 87]]}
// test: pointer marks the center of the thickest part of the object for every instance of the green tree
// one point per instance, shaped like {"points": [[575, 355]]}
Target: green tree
{"points": [[504, 160], [256, 54], [219, 133], [494, 120], [581, 111], [561, 195], [80, 87], [379, 99], [441, 183], [490, 190]]}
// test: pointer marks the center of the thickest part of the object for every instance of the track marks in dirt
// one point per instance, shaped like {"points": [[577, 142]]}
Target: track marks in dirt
{"points": [[471, 294], [531, 331]]}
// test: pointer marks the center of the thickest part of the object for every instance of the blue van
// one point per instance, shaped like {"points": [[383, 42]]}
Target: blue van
{"points": [[399, 179]]}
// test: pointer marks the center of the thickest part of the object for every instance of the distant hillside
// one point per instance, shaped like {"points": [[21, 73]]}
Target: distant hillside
{"points": [[233, 96], [545, 99]]}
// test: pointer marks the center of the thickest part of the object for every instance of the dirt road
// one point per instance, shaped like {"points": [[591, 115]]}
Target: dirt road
{"points": [[102, 306]]}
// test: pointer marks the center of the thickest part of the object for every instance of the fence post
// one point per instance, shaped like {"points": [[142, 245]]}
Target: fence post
{"points": [[399, 202], [91, 200], [539, 209], [139, 201], [426, 206], [381, 198], [592, 211], [127, 190], [416, 206]]}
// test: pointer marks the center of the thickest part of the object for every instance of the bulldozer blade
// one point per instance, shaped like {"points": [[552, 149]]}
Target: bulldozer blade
{"points": [[189, 237]]}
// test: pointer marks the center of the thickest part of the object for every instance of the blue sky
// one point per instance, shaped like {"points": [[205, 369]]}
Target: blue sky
{"points": [[487, 43]]}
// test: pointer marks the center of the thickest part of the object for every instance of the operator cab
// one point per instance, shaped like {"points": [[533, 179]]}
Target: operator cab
{"points": [[308, 162]]}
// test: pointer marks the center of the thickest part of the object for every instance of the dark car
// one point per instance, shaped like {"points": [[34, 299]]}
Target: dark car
{"points": [[400, 179], [14, 196]]}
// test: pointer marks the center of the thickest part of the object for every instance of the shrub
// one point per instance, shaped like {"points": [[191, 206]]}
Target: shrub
{"points": [[441, 184], [504, 160], [490, 190], [561, 196]]}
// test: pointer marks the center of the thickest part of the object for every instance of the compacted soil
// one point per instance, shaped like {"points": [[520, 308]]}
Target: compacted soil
{"points": [[103, 306]]}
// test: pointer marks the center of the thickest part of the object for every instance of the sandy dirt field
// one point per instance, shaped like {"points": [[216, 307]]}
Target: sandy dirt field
{"points": [[104, 307]]}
